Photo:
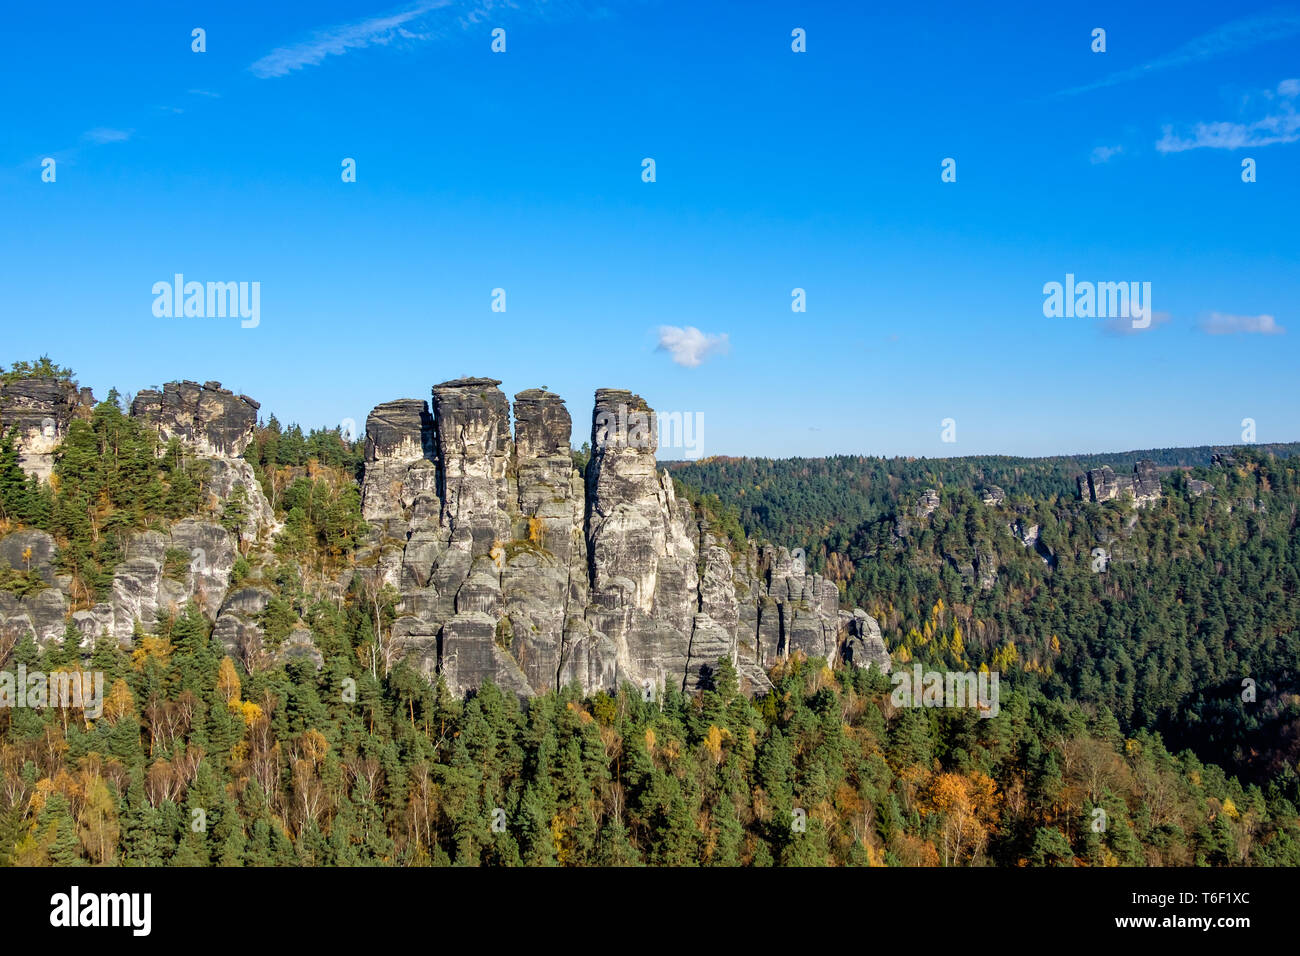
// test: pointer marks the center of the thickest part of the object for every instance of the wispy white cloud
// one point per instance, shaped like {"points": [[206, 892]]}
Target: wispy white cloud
{"points": [[1230, 38], [208, 93], [1221, 323], [689, 346], [1102, 154], [103, 134], [1279, 126], [337, 40]]}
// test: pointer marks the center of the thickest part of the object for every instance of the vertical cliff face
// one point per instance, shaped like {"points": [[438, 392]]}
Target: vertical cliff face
{"points": [[39, 411], [474, 451], [510, 563], [472, 419], [400, 477], [545, 578], [520, 569], [210, 419], [644, 588]]}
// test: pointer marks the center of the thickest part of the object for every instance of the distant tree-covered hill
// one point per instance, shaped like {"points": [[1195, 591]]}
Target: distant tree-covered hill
{"points": [[795, 501], [1163, 615]]}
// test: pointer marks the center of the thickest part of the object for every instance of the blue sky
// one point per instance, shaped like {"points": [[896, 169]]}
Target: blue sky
{"points": [[774, 170]]}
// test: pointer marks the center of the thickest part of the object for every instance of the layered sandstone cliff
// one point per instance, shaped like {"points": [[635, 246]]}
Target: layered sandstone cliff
{"points": [[514, 566], [38, 410], [509, 563]]}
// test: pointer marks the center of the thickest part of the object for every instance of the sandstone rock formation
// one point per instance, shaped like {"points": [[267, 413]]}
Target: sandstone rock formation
{"points": [[926, 504], [399, 462], [161, 571], [1102, 484], [40, 409], [159, 574], [508, 562], [1027, 534], [211, 419], [514, 566]]}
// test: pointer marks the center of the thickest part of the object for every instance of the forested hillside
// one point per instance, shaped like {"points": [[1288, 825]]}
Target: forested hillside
{"points": [[1160, 614], [1122, 736], [799, 501]]}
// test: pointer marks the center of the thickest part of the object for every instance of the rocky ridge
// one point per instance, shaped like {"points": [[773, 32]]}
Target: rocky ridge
{"points": [[509, 563], [514, 566], [161, 571]]}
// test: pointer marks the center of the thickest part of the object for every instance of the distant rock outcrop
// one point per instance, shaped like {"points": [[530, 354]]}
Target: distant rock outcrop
{"points": [[39, 409], [926, 504], [1102, 484]]}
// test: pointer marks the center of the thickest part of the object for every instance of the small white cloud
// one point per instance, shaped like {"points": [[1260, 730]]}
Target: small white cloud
{"points": [[102, 134], [1221, 323], [1288, 89], [207, 93], [1102, 154], [689, 346]]}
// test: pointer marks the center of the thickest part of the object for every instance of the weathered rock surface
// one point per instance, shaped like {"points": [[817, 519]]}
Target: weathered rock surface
{"points": [[162, 572], [40, 410], [864, 646], [159, 574], [926, 504], [1027, 534], [42, 614], [509, 563], [399, 461], [29, 551], [210, 419], [522, 570], [216, 426], [1102, 484]]}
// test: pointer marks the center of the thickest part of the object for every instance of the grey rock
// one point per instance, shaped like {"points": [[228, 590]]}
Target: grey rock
{"points": [[926, 504], [210, 419], [1102, 484], [40, 410], [29, 551], [513, 566], [864, 645], [399, 469]]}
